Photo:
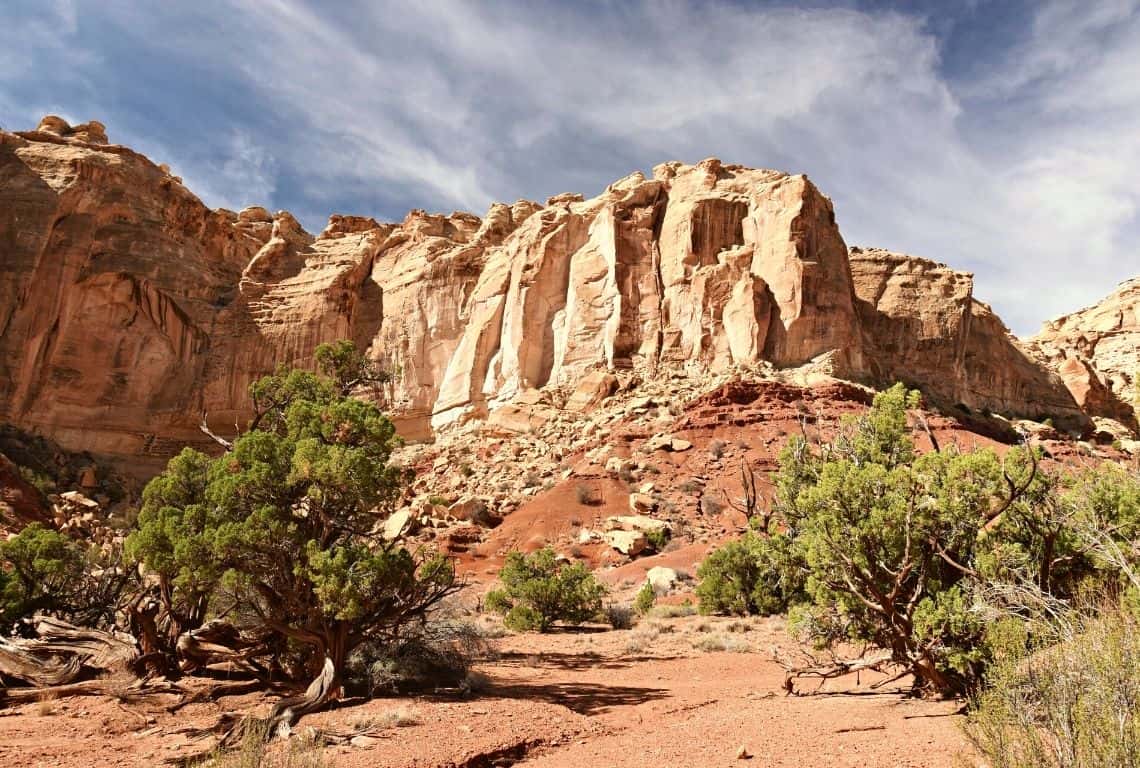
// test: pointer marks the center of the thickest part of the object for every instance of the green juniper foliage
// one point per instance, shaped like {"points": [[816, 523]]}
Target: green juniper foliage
{"points": [[537, 590], [876, 543], [645, 600], [280, 529], [44, 571]]}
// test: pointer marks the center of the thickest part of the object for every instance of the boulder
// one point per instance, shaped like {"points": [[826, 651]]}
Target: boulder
{"points": [[399, 524], [631, 543], [594, 387], [474, 510], [661, 579], [642, 523]]}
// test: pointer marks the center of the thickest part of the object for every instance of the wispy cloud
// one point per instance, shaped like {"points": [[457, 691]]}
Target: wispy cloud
{"points": [[1019, 167]]}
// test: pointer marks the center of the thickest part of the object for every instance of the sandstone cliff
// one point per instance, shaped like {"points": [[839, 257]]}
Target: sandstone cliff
{"points": [[922, 325], [1096, 351], [129, 309]]}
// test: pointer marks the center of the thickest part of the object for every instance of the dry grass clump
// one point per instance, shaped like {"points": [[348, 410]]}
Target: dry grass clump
{"points": [[673, 611], [45, 707], [642, 637], [721, 642], [255, 751], [619, 615], [1075, 703]]}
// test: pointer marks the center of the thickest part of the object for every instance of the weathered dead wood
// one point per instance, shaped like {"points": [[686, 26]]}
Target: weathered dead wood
{"points": [[122, 688], [103, 650], [63, 653], [319, 693], [215, 692], [218, 642], [20, 664], [833, 669], [205, 429], [231, 730]]}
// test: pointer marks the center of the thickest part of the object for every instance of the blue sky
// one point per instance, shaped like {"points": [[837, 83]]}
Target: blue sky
{"points": [[998, 136]]}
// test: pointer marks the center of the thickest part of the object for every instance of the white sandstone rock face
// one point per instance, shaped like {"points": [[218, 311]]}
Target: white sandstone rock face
{"points": [[122, 289], [709, 265], [1096, 351]]}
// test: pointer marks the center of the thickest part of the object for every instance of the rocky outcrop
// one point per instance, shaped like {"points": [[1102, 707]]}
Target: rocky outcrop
{"points": [[128, 309], [922, 325], [1096, 351]]}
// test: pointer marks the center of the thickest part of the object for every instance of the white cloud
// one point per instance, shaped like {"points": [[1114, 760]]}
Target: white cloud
{"points": [[1024, 175]]}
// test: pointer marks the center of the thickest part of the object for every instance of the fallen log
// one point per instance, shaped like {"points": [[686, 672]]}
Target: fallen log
{"points": [[122, 688], [63, 653], [18, 663]]}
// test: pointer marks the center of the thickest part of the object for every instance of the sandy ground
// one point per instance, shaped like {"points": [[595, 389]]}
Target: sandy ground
{"points": [[662, 694]]}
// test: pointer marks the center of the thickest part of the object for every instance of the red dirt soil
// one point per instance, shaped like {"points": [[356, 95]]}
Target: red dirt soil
{"points": [[641, 697]]}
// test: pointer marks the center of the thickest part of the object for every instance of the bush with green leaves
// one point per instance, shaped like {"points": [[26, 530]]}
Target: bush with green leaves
{"points": [[645, 600], [45, 571], [882, 545], [538, 590], [755, 575], [658, 538], [281, 531]]}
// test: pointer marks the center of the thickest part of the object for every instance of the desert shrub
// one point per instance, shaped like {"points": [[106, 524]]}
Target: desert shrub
{"points": [[713, 643], [690, 486], [435, 654], [619, 615], [1073, 703], [716, 448], [756, 574], [645, 600], [587, 496], [658, 538], [40, 480], [685, 608], [44, 571], [537, 590], [254, 750], [710, 506]]}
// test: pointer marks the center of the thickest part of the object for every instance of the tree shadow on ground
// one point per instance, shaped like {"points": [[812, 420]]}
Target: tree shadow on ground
{"points": [[573, 661], [583, 698]]}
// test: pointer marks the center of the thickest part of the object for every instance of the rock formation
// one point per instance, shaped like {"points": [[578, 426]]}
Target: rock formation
{"points": [[922, 325], [1096, 351], [129, 309]]}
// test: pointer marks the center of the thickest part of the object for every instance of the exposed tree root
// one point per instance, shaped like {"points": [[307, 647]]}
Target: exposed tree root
{"points": [[836, 668]]}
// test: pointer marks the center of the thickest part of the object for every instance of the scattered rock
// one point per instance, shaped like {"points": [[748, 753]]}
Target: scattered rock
{"points": [[594, 387], [637, 523]]}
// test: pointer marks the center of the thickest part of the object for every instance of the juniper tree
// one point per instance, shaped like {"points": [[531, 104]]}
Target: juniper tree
{"points": [[282, 529], [875, 543]]}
